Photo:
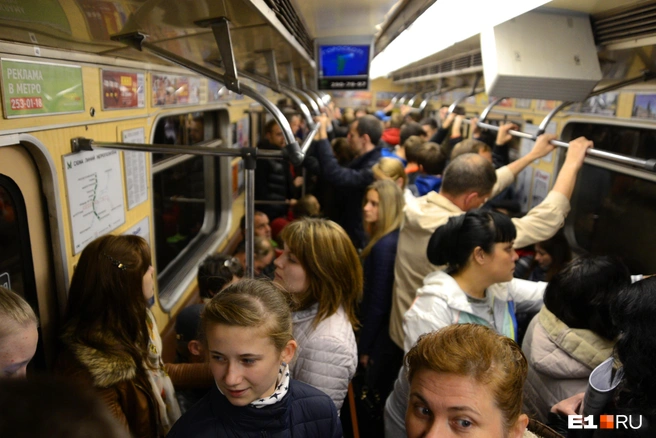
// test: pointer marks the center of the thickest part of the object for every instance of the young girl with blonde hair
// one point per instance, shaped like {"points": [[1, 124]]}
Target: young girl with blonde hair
{"points": [[248, 332]]}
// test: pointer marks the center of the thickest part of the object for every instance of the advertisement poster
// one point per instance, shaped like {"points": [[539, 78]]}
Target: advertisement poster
{"points": [[522, 103], [352, 99], [175, 90], [31, 88], [644, 106], [105, 18], [44, 12], [604, 104], [545, 105], [122, 89]]}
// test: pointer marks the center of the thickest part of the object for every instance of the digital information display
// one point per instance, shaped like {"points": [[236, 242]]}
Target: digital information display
{"points": [[343, 67]]}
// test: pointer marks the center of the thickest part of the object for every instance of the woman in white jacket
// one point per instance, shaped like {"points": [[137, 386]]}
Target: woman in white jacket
{"points": [[321, 267], [477, 287]]}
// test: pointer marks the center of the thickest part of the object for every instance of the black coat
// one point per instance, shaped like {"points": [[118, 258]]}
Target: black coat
{"points": [[350, 183], [273, 182], [303, 412]]}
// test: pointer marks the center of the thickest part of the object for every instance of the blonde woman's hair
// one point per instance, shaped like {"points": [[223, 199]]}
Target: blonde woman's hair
{"points": [[15, 313], [331, 264], [390, 212], [390, 169], [252, 303], [479, 352]]}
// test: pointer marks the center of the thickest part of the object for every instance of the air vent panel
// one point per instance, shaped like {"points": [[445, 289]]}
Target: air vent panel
{"points": [[289, 18], [630, 24]]}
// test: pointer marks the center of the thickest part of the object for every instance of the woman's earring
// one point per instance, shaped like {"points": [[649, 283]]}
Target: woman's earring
{"points": [[283, 363]]}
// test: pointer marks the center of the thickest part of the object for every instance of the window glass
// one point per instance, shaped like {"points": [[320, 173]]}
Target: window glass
{"points": [[179, 208], [16, 265], [612, 213], [185, 196]]}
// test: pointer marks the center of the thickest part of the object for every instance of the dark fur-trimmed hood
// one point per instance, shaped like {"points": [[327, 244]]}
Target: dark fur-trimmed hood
{"points": [[106, 369]]}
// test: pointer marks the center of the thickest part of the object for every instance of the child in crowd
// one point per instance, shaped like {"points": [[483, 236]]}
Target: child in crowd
{"points": [[248, 333], [18, 334], [431, 161]]}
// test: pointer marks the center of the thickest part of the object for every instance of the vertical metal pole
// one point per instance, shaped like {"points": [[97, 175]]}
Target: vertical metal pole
{"points": [[249, 157]]}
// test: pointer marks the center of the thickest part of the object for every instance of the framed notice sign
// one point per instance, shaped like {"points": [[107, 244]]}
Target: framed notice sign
{"points": [[36, 88]]}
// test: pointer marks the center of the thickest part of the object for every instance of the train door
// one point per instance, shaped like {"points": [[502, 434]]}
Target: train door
{"points": [[25, 260]]}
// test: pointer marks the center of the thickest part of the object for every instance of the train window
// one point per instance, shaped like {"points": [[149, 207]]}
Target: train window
{"points": [[16, 265], [186, 196], [613, 208]]}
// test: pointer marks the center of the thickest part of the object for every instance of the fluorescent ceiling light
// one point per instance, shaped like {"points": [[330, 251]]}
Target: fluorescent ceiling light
{"points": [[442, 25]]}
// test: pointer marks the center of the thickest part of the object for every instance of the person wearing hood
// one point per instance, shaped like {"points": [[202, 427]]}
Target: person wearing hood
{"points": [[477, 287], [573, 333]]}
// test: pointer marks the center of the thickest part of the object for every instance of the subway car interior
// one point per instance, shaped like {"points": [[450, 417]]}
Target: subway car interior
{"points": [[146, 117]]}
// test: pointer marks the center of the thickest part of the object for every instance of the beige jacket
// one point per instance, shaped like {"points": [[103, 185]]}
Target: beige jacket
{"points": [[433, 210], [560, 360]]}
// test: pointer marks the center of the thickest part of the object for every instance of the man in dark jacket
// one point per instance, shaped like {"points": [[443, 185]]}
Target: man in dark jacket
{"points": [[351, 181], [273, 180]]}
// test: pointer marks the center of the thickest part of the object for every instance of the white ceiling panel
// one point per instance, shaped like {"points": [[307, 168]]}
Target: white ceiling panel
{"points": [[342, 17]]}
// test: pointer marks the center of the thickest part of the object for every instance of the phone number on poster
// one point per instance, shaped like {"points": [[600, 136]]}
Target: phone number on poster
{"points": [[26, 103]]}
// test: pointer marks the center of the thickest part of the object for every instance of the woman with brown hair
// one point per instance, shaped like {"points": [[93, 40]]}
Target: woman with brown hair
{"points": [[321, 269], [110, 338], [466, 379]]}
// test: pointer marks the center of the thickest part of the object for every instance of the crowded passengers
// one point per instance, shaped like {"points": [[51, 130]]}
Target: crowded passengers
{"points": [[394, 270]]}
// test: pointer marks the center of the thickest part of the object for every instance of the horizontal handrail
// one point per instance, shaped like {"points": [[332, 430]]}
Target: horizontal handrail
{"points": [[649, 165]]}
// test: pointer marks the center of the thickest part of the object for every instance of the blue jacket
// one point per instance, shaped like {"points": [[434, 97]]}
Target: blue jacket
{"points": [[386, 153], [377, 297], [350, 183], [428, 183], [303, 412]]}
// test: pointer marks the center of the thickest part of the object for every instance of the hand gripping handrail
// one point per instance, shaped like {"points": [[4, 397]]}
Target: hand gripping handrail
{"points": [[649, 165]]}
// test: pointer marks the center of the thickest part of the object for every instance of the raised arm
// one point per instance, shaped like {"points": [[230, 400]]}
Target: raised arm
{"points": [[541, 148], [542, 222], [331, 170], [573, 162]]}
